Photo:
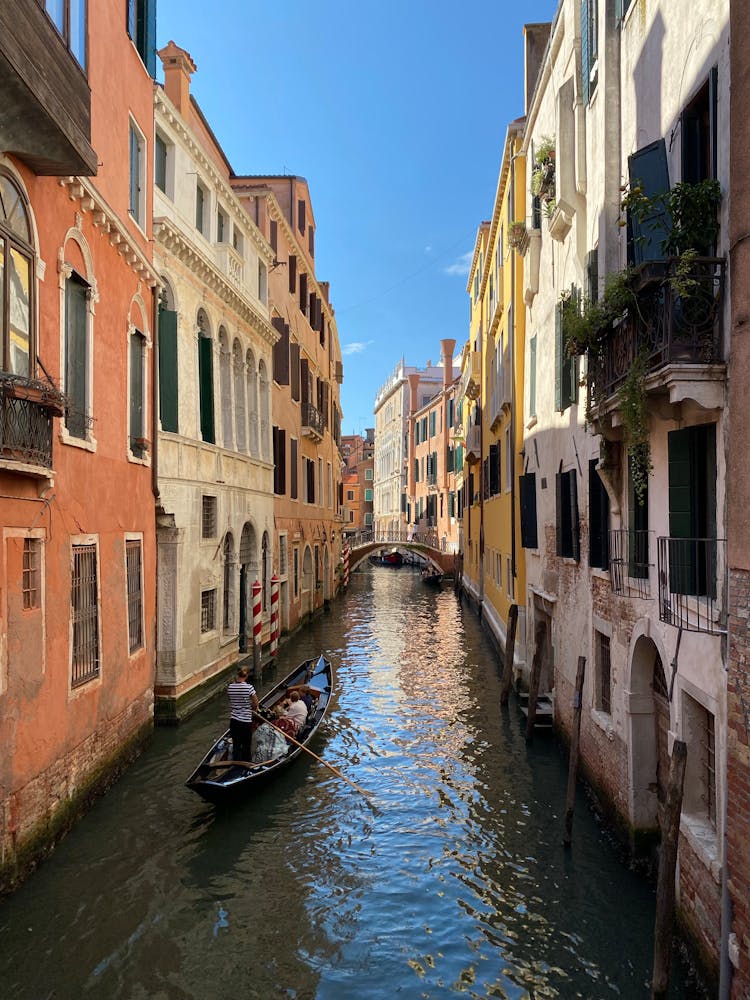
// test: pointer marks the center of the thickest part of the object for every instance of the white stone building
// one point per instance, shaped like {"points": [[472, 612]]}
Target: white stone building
{"points": [[215, 513]]}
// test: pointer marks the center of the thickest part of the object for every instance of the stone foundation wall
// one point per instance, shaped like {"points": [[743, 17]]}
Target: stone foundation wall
{"points": [[36, 816]]}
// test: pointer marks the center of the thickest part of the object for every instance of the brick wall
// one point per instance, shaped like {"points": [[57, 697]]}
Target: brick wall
{"points": [[738, 774], [699, 905]]}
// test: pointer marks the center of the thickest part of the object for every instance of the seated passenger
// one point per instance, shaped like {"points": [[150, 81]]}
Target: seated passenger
{"points": [[296, 712]]}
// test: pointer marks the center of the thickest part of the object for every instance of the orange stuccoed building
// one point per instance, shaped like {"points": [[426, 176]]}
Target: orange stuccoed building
{"points": [[77, 308]]}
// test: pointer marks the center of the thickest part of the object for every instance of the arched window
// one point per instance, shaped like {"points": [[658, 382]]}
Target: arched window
{"points": [[206, 378], [229, 578], [265, 410], [252, 403], [225, 382], [240, 419], [16, 282]]}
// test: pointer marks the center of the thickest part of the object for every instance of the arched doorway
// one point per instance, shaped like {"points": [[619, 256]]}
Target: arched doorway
{"points": [[326, 574], [308, 593], [248, 575], [229, 581], [648, 729]]}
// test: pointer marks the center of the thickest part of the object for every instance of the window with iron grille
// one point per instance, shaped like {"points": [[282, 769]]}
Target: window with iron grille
{"points": [[604, 673], [135, 594], [208, 610], [208, 521], [85, 614], [700, 773], [32, 553], [283, 557]]}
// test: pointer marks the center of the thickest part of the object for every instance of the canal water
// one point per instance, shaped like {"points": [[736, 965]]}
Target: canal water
{"points": [[451, 879]]}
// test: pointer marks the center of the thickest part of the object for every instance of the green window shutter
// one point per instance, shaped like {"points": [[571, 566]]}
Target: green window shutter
{"points": [[167, 344], [527, 497], [134, 171], [575, 527], [76, 359], [649, 167], [149, 37], [680, 493], [451, 504], [206, 387], [559, 357], [137, 346]]}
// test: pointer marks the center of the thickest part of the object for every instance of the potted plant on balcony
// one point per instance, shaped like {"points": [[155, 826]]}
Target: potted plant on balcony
{"points": [[543, 171], [516, 235]]}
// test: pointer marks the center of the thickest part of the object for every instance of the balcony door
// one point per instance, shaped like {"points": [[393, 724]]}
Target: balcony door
{"points": [[692, 510]]}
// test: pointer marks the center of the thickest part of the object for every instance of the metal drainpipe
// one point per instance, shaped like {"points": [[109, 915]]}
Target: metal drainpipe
{"points": [[155, 397]]}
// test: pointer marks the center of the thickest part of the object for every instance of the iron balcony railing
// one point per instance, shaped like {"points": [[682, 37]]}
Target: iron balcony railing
{"points": [[629, 562], [691, 590], [312, 419], [27, 408], [677, 320]]}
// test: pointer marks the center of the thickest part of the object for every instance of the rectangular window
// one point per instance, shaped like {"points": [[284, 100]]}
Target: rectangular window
{"points": [[311, 240], [84, 615], [273, 236], [589, 47], [137, 175], [160, 163], [137, 434], [527, 496], [603, 674], [292, 273], [135, 593], [208, 610], [301, 215], [638, 535], [141, 25], [566, 366], [167, 357], [209, 520], [279, 461], [69, 17], [508, 461], [368, 474], [238, 240], [368, 496], [568, 540], [200, 207], [368, 519], [700, 773], [32, 553], [349, 495], [691, 456], [262, 282], [433, 417], [295, 560], [222, 226], [76, 356], [511, 583]]}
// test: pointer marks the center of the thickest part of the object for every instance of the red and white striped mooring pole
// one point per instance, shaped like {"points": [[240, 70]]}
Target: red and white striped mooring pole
{"points": [[257, 621], [346, 566], [274, 615]]}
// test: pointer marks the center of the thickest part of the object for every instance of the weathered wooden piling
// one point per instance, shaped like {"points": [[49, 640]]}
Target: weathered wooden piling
{"points": [[575, 736], [510, 646], [536, 671], [665, 885]]}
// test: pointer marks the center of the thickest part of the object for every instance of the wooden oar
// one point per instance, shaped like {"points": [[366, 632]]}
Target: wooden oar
{"points": [[319, 759]]}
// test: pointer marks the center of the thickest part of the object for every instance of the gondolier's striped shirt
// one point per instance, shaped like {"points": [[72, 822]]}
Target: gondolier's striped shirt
{"points": [[240, 700]]}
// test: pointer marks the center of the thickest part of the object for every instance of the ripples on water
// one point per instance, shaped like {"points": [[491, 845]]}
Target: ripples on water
{"points": [[450, 879]]}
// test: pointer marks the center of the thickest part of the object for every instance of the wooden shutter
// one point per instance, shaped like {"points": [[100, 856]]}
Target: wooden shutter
{"points": [[304, 378], [293, 468], [273, 236], [527, 493], [281, 352], [598, 520], [292, 273], [310, 481], [494, 469], [326, 406], [303, 292], [282, 461], [649, 167], [137, 348], [301, 215], [575, 537], [294, 376], [76, 352], [167, 346], [559, 357], [206, 387]]}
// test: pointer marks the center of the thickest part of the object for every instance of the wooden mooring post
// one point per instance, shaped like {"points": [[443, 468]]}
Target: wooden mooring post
{"points": [[510, 647], [665, 890], [575, 736], [536, 671]]}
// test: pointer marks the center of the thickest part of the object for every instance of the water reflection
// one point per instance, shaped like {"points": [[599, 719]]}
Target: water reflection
{"points": [[451, 881]]}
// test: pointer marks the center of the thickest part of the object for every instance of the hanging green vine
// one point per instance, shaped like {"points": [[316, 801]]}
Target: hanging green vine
{"points": [[634, 413]]}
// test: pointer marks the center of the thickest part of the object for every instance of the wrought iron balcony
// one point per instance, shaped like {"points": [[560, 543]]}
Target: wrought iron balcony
{"points": [[27, 408], [312, 421], [691, 573], [676, 322], [471, 378], [629, 562]]}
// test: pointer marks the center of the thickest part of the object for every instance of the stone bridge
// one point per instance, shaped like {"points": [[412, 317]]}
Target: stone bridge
{"points": [[426, 544]]}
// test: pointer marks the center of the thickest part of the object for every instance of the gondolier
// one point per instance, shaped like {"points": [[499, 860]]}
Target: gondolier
{"points": [[242, 701]]}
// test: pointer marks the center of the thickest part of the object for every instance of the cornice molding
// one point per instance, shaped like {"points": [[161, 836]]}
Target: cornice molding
{"points": [[81, 190], [168, 114], [171, 238]]}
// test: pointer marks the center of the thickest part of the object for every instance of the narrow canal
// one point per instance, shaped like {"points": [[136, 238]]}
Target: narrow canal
{"points": [[453, 881]]}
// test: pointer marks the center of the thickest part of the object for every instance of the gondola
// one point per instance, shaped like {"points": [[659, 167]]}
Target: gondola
{"points": [[432, 577], [219, 779]]}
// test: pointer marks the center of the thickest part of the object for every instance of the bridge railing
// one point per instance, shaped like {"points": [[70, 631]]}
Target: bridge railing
{"points": [[415, 536]]}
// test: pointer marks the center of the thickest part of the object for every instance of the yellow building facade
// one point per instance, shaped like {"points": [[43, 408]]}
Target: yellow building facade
{"points": [[493, 383]]}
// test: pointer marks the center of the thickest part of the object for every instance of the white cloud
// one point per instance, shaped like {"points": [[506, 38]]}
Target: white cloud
{"points": [[428, 249], [461, 266], [356, 346]]}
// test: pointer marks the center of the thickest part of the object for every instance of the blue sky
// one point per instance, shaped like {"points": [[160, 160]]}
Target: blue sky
{"points": [[396, 115]]}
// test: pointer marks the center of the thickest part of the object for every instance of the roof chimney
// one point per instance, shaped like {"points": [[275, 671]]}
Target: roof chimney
{"points": [[413, 390], [446, 349], [178, 68]]}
